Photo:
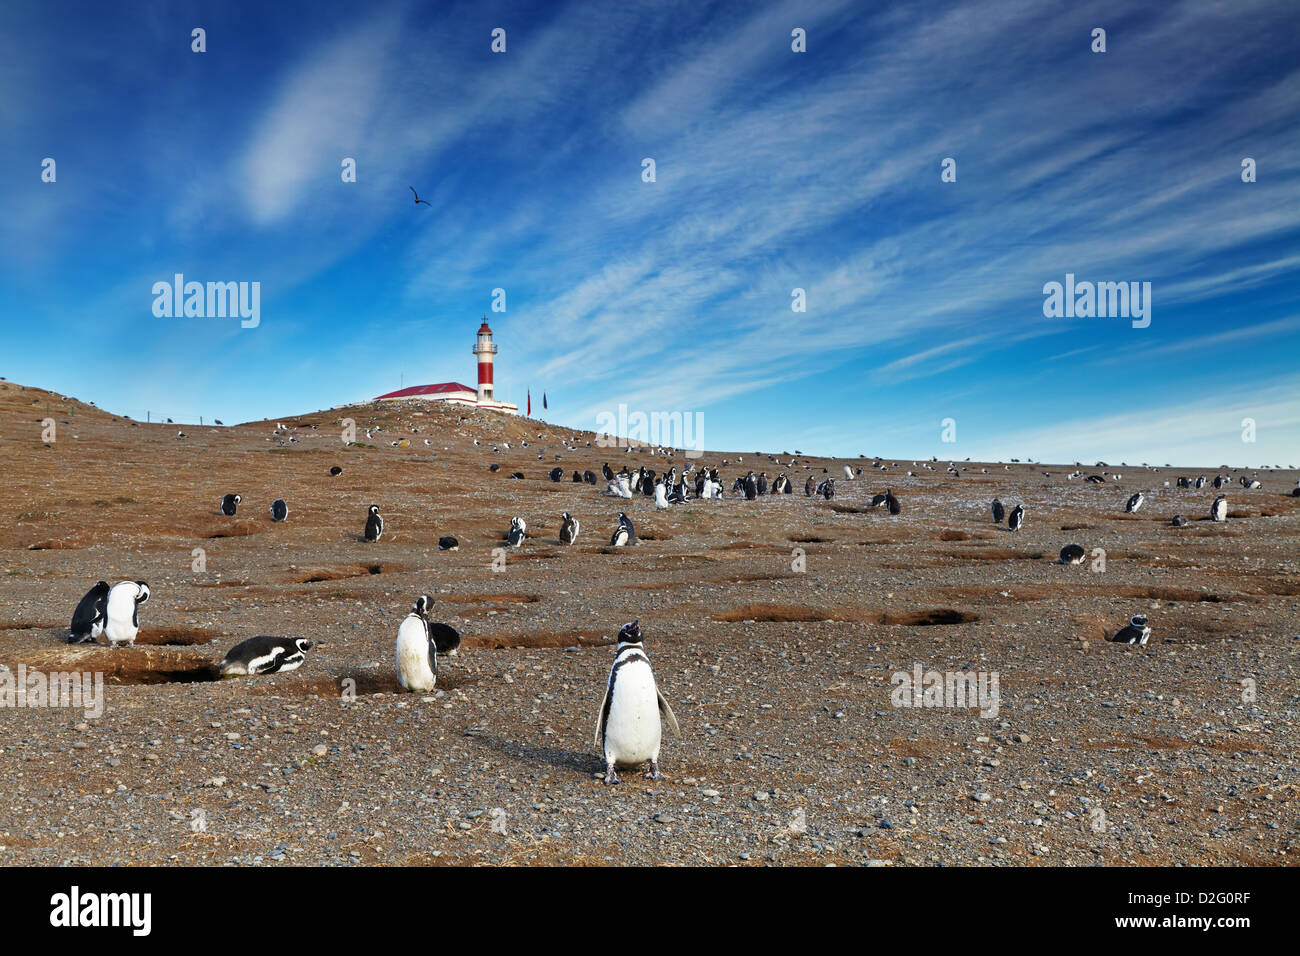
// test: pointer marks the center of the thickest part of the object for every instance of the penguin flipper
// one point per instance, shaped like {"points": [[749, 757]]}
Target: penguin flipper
{"points": [[668, 713], [600, 719]]}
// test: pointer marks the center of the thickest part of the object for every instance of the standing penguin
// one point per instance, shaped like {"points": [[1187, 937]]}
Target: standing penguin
{"points": [[809, 486], [661, 497], [89, 617], [230, 504], [750, 487], [417, 654], [848, 472], [279, 510], [607, 471], [568, 528], [374, 524], [892, 503], [1134, 503], [762, 482], [624, 534], [264, 655], [1219, 510], [1017, 518], [557, 473], [628, 728], [121, 611], [999, 512], [518, 531]]}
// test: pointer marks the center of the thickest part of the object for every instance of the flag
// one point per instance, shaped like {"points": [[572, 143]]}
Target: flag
{"points": [[543, 399], [529, 413]]}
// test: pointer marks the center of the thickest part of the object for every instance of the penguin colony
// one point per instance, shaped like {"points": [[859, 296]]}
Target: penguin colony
{"points": [[629, 720]]}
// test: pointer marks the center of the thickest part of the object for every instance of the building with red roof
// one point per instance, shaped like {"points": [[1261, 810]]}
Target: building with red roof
{"points": [[455, 392]]}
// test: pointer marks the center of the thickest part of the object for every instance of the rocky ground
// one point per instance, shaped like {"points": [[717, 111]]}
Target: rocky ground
{"points": [[774, 627]]}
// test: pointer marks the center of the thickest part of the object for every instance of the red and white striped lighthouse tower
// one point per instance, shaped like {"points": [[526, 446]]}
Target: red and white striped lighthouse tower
{"points": [[485, 351]]}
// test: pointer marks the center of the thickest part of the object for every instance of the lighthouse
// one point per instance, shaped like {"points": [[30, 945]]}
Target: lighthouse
{"points": [[485, 351], [456, 393]]}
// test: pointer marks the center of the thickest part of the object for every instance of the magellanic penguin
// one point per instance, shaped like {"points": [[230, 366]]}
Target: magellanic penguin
{"points": [[623, 534], [1017, 518], [999, 512], [518, 531], [1219, 510], [557, 473], [279, 510], [892, 503], [661, 496], [848, 472], [335, 471], [1179, 521], [1134, 503], [417, 654], [1071, 554], [230, 504], [568, 528], [810, 486], [1135, 632], [121, 611], [628, 731], [448, 543], [374, 524], [89, 618], [264, 655]]}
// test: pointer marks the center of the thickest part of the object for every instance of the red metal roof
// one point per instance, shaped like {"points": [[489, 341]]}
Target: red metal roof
{"points": [[484, 328], [439, 389]]}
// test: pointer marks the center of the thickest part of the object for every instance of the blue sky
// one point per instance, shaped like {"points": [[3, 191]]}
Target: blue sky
{"points": [[775, 170]]}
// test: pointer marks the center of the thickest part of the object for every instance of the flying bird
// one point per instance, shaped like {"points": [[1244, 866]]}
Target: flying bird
{"points": [[418, 200]]}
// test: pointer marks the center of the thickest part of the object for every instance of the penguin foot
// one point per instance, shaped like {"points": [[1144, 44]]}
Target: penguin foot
{"points": [[610, 775], [652, 772]]}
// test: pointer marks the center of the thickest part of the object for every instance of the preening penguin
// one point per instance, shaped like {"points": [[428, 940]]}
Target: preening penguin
{"points": [[628, 728], [374, 524], [568, 528], [121, 611], [999, 512], [279, 510], [417, 654], [518, 531], [90, 616], [264, 655], [230, 504], [1135, 632]]}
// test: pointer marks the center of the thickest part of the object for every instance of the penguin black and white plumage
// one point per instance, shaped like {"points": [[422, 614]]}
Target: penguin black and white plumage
{"points": [[335, 471], [624, 534], [892, 503], [1179, 521], [1295, 492], [1135, 632], [279, 510], [264, 655], [762, 482], [878, 500], [568, 528], [121, 611], [518, 532], [90, 616], [661, 496], [1200, 482], [557, 473], [448, 543], [1017, 518], [1219, 510], [809, 486], [750, 487], [494, 467], [848, 472], [230, 504], [1071, 554], [1219, 482], [374, 524], [417, 654], [607, 471], [999, 512], [628, 728], [589, 476], [1134, 503], [1184, 482]]}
